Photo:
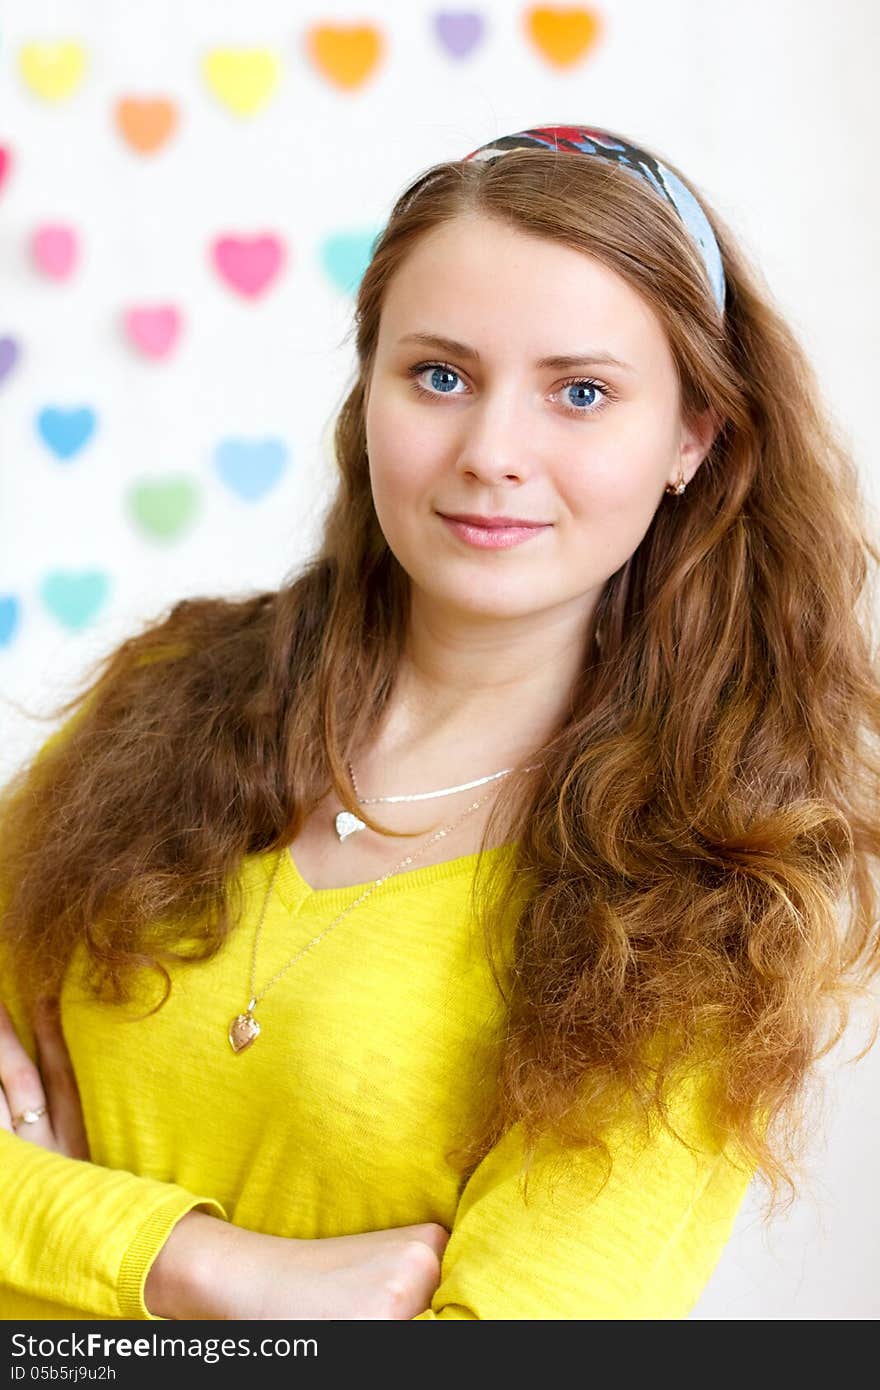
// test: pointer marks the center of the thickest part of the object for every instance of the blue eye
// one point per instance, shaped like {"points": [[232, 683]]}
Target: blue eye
{"points": [[439, 370], [439, 389]]}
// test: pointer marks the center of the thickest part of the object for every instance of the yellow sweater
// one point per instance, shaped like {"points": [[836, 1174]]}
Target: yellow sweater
{"points": [[336, 1121]]}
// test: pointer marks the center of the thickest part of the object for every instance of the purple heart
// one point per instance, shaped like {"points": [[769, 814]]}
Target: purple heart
{"points": [[8, 356], [458, 30]]}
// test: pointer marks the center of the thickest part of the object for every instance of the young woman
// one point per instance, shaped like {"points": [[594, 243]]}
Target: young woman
{"points": [[452, 931]]}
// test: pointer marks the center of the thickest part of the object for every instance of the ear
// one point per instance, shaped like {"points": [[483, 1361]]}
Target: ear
{"points": [[698, 434]]}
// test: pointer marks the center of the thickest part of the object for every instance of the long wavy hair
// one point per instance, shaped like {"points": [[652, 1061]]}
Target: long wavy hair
{"points": [[701, 838]]}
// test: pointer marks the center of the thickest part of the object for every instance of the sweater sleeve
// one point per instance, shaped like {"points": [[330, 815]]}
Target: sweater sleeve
{"points": [[77, 1239], [73, 1234], [80, 1236], [640, 1247]]}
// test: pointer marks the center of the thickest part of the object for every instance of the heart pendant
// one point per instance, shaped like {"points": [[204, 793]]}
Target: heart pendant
{"points": [[243, 1030], [347, 824]]}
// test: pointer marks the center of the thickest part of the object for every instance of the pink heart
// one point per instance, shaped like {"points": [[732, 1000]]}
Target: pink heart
{"points": [[248, 264], [54, 249], [154, 330]]}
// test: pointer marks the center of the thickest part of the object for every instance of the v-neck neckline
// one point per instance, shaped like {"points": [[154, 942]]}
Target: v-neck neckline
{"points": [[293, 888]]}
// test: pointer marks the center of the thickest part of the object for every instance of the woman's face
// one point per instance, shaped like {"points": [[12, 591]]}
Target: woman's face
{"points": [[486, 428]]}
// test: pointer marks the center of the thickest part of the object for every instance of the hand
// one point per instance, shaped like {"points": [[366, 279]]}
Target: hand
{"points": [[48, 1090], [209, 1268]]}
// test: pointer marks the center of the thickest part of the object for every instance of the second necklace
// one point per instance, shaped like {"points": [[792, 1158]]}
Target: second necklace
{"points": [[244, 1028]]}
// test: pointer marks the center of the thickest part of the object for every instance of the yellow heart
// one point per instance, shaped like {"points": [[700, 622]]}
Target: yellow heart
{"points": [[242, 78], [346, 53], [52, 70], [563, 35]]}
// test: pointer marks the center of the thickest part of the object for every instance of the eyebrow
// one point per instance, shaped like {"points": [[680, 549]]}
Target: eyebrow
{"points": [[590, 358]]}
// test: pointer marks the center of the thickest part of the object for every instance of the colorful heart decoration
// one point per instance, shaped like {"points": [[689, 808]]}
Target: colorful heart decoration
{"points": [[345, 256], [344, 53], [459, 31], [153, 330], [66, 431], [9, 355], [10, 616], [164, 508], [52, 71], [242, 79], [563, 35], [248, 264], [54, 249], [146, 123], [250, 468], [74, 597], [5, 163]]}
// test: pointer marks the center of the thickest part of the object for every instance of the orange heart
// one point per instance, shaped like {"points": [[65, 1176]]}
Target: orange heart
{"points": [[563, 35], [146, 124], [346, 53]]}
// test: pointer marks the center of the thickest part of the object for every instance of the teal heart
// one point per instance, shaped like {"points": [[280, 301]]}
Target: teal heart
{"points": [[250, 468], [164, 507], [10, 612], [66, 431], [74, 598], [345, 256]]}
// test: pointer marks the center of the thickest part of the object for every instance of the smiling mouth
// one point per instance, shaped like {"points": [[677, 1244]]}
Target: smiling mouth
{"points": [[492, 537]]}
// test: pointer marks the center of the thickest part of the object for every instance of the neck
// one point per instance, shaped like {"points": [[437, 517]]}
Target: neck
{"points": [[472, 697]]}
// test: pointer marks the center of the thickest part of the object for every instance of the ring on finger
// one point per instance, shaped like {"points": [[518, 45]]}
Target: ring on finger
{"points": [[29, 1117]]}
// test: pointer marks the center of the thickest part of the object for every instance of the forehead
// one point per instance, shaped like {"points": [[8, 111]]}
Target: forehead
{"points": [[481, 281]]}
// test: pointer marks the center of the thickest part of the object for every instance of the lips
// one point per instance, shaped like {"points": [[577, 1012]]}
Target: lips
{"points": [[492, 523], [493, 537]]}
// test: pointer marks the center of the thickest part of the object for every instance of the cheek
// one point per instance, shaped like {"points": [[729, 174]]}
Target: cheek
{"points": [[396, 482], [394, 425], [614, 496], [402, 458]]}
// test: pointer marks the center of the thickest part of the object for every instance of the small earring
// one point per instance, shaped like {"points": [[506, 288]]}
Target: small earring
{"points": [[679, 487]]}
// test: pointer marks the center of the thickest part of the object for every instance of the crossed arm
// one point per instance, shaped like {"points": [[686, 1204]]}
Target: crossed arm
{"points": [[640, 1246], [206, 1267]]}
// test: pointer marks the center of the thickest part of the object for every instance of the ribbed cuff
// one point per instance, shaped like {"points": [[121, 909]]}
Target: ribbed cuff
{"points": [[145, 1247]]}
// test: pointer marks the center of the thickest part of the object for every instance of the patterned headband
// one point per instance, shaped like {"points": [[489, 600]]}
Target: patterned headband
{"points": [[581, 139]]}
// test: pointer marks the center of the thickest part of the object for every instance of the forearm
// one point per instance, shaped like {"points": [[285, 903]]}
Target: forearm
{"points": [[179, 1284], [209, 1268]]}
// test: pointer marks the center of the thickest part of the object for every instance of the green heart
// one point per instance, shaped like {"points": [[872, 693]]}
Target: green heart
{"points": [[165, 507]]}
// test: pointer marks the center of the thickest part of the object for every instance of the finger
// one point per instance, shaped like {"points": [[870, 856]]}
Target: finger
{"points": [[5, 1116], [23, 1087], [59, 1080]]}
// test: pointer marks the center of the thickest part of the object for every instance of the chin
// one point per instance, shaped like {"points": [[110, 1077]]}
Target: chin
{"points": [[478, 601]]}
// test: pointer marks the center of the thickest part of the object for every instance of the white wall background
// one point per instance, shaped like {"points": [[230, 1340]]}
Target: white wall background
{"points": [[769, 105]]}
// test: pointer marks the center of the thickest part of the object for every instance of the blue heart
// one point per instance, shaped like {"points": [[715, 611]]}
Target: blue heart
{"points": [[9, 616], [345, 256], [66, 431], [250, 467], [74, 599]]}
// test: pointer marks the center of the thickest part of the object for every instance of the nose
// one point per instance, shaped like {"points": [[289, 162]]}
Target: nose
{"points": [[494, 448]]}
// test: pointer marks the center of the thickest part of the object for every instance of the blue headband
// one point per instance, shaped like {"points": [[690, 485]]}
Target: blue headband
{"points": [[581, 139]]}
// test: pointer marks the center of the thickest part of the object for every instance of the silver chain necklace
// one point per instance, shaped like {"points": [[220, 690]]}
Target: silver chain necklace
{"points": [[347, 823]]}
